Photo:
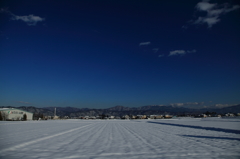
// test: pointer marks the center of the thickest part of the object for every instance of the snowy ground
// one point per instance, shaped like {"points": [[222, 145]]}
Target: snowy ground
{"points": [[132, 139]]}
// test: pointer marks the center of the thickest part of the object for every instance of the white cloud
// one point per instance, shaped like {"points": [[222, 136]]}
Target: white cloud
{"points": [[187, 104], [155, 50], [209, 20], [29, 19], [23, 102], [193, 51], [161, 55], [177, 52], [205, 6], [177, 104], [224, 105], [144, 43], [184, 27], [214, 11], [181, 52], [194, 103]]}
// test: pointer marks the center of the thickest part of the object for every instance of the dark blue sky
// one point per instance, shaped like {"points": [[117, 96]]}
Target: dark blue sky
{"points": [[102, 53]]}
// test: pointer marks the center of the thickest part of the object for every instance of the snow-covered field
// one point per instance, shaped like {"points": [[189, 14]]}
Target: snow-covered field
{"points": [[132, 139]]}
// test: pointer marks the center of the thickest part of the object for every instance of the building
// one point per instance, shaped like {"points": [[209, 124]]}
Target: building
{"points": [[159, 116], [15, 114], [55, 114], [111, 117], [168, 116]]}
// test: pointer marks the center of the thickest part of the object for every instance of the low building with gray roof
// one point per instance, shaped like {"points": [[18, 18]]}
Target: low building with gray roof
{"points": [[15, 114]]}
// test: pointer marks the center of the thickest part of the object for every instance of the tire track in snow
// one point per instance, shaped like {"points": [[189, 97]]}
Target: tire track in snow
{"points": [[95, 136], [28, 131], [70, 139], [169, 134], [83, 140], [98, 138], [18, 136], [128, 145], [139, 137], [76, 139], [38, 140], [109, 135], [144, 155], [197, 141], [152, 135], [154, 132]]}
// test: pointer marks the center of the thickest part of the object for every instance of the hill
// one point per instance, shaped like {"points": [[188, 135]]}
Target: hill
{"points": [[121, 110]]}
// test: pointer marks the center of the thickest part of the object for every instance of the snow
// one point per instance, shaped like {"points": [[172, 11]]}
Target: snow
{"points": [[4, 108], [133, 139]]}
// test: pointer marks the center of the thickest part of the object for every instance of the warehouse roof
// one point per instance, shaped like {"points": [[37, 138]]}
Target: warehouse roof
{"points": [[4, 109]]}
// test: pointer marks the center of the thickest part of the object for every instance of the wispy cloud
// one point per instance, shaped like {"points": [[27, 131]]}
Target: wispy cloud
{"points": [[224, 105], [29, 19], [187, 104], [184, 27], [177, 52], [214, 11], [177, 104], [193, 51], [144, 43], [161, 55], [180, 52], [23, 102], [155, 50], [200, 105]]}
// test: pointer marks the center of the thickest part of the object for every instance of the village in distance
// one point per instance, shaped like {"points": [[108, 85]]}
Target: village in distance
{"points": [[118, 112]]}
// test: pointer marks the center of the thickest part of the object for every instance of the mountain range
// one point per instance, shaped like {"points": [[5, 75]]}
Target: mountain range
{"points": [[121, 110]]}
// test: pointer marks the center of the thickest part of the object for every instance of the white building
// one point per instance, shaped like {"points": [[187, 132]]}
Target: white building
{"points": [[55, 114], [14, 114]]}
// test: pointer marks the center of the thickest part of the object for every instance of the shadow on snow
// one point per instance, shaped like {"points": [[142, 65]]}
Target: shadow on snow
{"points": [[200, 127], [211, 137]]}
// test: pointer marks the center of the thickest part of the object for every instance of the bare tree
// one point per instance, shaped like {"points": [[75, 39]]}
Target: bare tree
{"points": [[1, 118], [3, 115], [25, 117]]}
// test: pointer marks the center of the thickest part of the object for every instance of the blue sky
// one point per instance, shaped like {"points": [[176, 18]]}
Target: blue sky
{"points": [[100, 54]]}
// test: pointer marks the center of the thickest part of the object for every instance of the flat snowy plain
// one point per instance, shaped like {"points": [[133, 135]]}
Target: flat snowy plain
{"points": [[132, 139]]}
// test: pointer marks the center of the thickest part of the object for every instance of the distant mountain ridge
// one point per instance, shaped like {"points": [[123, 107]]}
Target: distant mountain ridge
{"points": [[121, 110]]}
